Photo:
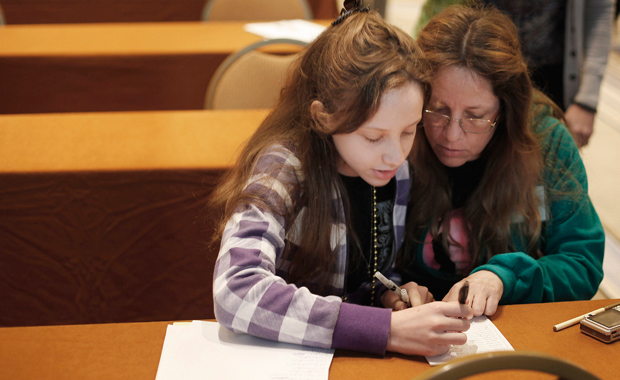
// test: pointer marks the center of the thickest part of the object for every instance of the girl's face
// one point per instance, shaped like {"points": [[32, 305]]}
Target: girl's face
{"points": [[379, 146], [460, 93]]}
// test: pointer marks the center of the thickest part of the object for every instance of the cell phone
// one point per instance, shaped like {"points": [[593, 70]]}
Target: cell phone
{"points": [[604, 326]]}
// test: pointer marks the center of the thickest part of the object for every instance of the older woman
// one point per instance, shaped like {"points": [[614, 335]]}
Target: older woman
{"points": [[499, 195]]}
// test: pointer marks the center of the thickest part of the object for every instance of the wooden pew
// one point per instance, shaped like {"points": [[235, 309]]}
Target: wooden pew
{"points": [[86, 11], [113, 67], [103, 216]]}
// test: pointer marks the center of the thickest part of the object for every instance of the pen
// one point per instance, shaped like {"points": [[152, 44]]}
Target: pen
{"points": [[402, 293], [463, 293], [576, 320]]}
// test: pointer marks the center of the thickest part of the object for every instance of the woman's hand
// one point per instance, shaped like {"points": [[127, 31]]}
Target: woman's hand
{"points": [[485, 291], [429, 329], [581, 123], [418, 295]]}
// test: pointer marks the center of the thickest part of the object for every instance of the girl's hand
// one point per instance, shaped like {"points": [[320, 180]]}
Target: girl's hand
{"points": [[485, 291], [418, 295], [429, 329]]}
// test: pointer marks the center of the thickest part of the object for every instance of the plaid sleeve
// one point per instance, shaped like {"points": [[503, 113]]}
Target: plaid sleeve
{"points": [[403, 186], [248, 296]]}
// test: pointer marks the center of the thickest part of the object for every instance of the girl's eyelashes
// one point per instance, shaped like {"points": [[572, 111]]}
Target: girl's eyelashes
{"points": [[373, 140]]}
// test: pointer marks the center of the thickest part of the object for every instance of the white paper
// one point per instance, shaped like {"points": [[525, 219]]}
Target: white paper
{"points": [[482, 337], [205, 350], [301, 30]]}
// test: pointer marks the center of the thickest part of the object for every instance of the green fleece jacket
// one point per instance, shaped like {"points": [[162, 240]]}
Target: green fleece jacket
{"points": [[572, 240]]}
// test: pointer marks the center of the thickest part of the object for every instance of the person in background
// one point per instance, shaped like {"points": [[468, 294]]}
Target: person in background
{"points": [[316, 203], [499, 193], [567, 45]]}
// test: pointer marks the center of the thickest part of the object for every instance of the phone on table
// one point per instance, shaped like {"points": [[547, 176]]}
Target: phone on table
{"points": [[604, 326]]}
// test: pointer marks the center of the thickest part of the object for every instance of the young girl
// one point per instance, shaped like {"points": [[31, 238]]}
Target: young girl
{"points": [[325, 168]]}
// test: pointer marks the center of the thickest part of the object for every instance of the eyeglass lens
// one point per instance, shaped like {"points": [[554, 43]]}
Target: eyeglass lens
{"points": [[437, 120]]}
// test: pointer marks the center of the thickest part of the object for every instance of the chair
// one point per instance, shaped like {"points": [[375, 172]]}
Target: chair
{"points": [[495, 361], [250, 78], [376, 5], [256, 10]]}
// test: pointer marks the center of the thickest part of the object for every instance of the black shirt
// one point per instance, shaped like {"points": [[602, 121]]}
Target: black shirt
{"points": [[360, 263], [464, 180]]}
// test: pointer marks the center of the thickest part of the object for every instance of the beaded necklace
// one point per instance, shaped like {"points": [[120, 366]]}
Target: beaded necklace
{"points": [[373, 245]]}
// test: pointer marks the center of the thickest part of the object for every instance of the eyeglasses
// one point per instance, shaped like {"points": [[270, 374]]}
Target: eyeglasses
{"points": [[469, 125], [349, 7]]}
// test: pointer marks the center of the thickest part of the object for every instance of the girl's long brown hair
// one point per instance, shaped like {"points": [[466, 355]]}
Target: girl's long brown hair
{"points": [[486, 42], [347, 68]]}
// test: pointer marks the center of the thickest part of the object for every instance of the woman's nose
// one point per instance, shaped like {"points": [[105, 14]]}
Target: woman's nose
{"points": [[453, 131]]}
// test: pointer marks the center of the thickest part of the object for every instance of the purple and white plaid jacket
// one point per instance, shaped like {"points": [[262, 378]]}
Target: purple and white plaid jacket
{"points": [[250, 292]]}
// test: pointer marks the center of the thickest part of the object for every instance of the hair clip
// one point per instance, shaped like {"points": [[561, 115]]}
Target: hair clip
{"points": [[350, 7]]}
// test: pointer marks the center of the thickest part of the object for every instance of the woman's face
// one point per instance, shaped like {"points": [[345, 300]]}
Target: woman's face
{"points": [[379, 146], [460, 93]]}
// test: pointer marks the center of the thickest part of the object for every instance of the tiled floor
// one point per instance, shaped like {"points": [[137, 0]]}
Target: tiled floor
{"points": [[601, 156], [602, 160]]}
